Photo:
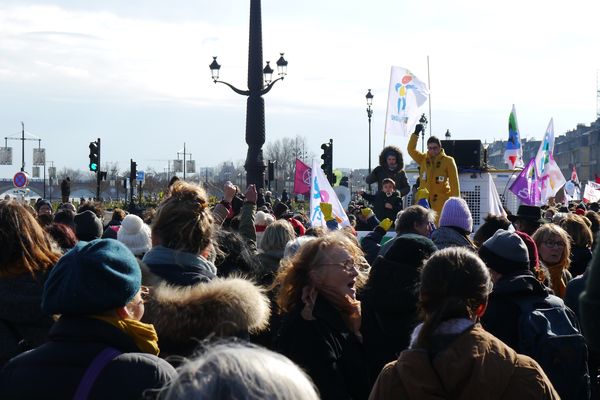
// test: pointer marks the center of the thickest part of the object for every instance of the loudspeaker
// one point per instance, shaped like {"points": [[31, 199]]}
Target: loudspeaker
{"points": [[466, 153]]}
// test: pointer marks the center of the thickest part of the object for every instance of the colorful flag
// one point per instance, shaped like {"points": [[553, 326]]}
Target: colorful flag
{"points": [[527, 186], [321, 192], [302, 178], [513, 154], [574, 176], [542, 158], [406, 94], [591, 193], [552, 180]]}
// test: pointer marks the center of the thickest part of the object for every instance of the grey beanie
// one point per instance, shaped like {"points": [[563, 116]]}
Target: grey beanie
{"points": [[505, 252]]}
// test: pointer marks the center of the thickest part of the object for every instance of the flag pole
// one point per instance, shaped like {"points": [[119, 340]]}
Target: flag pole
{"points": [[429, 87], [387, 110]]}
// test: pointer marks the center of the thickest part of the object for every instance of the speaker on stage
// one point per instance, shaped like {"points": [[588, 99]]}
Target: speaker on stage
{"points": [[466, 153]]}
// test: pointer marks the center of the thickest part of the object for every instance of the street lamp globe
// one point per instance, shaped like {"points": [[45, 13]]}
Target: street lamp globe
{"points": [[214, 69], [369, 97], [282, 66], [268, 73]]}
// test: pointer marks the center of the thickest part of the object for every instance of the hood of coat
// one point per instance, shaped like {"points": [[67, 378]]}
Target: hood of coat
{"points": [[521, 283], [446, 236], [391, 151], [464, 370], [182, 316]]}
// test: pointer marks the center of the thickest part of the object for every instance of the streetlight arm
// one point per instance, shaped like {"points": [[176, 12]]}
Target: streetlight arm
{"points": [[238, 91], [268, 88]]}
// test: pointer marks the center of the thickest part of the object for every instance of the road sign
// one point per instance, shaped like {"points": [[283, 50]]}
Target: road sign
{"points": [[20, 180], [139, 176]]}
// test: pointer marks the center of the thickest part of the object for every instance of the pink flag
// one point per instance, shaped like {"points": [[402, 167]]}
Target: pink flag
{"points": [[302, 178]]}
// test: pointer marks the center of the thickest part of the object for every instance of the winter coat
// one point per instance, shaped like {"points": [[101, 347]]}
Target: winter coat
{"points": [[502, 315], [580, 259], [326, 349], [175, 267], [447, 236], [380, 200], [389, 311], [21, 316], [438, 175], [382, 171], [55, 369], [183, 316], [476, 365], [575, 287]]}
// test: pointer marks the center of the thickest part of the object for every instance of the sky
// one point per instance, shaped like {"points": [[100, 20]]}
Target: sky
{"points": [[135, 73]]}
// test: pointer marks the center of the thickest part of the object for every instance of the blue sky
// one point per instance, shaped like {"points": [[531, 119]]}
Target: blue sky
{"points": [[136, 73]]}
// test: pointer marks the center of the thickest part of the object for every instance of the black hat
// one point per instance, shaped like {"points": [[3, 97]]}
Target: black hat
{"points": [[505, 252], [528, 213]]}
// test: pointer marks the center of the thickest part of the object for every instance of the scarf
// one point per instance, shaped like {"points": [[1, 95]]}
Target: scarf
{"points": [[557, 278], [453, 326], [143, 335], [179, 267]]}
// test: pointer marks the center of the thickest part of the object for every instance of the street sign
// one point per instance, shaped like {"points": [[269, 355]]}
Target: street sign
{"points": [[177, 165], [140, 176], [20, 180], [5, 155], [190, 166], [39, 156], [35, 172]]}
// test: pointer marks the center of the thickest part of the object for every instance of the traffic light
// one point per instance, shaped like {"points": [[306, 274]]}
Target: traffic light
{"points": [[133, 171], [94, 164], [327, 158], [271, 171]]}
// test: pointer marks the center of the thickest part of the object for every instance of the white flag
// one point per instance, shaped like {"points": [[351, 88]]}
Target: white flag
{"points": [[591, 193], [406, 94], [542, 158], [321, 192], [552, 180], [494, 199]]}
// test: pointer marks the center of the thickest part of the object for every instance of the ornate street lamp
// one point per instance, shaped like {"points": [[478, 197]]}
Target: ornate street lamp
{"points": [[259, 83], [447, 135], [369, 97]]}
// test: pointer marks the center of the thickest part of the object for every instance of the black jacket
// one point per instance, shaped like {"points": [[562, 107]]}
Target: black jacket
{"points": [[54, 370], [501, 317], [382, 171], [379, 201], [329, 353]]}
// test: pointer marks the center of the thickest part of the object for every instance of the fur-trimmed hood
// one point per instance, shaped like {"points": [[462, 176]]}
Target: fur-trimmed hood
{"points": [[182, 316], [391, 150]]}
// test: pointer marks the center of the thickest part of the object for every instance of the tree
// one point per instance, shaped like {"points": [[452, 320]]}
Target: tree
{"points": [[285, 151]]}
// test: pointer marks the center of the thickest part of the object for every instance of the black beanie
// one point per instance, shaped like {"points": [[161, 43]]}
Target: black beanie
{"points": [[88, 226]]}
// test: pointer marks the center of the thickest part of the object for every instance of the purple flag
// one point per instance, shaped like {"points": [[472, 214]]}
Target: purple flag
{"points": [[527, 186]]}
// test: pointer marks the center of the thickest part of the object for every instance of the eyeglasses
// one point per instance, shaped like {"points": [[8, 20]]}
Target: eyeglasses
{"points": [[549, 243], [349, 265]]}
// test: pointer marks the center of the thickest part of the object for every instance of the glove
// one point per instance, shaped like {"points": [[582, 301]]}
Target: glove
{"points": [[366, 212], [421, 194], [418, 129], [327, 210], [385, 224]]}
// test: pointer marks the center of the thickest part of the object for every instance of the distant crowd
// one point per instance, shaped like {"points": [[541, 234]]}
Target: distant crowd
{"points": [[244, 299]]}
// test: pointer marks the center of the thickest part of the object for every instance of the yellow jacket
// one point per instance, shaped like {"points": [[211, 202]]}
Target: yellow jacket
{"points": [[438, 175]]}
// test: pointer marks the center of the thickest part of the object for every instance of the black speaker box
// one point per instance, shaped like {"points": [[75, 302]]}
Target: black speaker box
{"points": [[466, 153]]}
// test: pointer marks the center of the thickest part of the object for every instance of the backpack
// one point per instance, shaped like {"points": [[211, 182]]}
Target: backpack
{"points": [[549, 333]]}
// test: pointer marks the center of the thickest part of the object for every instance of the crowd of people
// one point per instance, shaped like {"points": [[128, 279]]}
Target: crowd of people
{"points": [[244, 299]]}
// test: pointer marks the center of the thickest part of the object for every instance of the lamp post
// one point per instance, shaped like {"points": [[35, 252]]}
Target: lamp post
{"points": [[369, 97], [423, 121], [447, 135], [257, 87]]}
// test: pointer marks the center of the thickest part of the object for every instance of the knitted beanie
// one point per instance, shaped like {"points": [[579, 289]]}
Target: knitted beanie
{"points": [[534, 258], [456, 213], [505, 252], [410, 249], [280, 210], [88, 226], [93, 277], [135, 234], [41, 203]]}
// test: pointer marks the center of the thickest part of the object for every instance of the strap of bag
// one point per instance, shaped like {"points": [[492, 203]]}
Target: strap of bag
{"points": [[91, 374]]}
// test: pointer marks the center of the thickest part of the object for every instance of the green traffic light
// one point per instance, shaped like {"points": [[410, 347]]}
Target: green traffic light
{"points": [[93, 167]]}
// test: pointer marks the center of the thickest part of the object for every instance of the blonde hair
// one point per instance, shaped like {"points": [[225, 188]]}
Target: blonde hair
{"points": [[545, 232], [183, 220], [294, 273], [26, 248], [277, 235]]}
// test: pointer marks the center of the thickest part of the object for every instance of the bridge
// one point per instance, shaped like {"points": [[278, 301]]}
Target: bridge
{"points": [[78, 189]]}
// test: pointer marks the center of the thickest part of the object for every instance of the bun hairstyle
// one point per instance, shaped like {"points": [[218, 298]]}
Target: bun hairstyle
{"points": [[454, 283], [183, 220]]}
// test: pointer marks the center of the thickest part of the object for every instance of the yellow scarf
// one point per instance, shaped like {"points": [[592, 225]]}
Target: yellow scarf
{"points": [[143, 335], [559, 285]]}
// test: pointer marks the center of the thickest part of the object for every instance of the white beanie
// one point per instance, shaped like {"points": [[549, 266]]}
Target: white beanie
{"points": [[135, 234]]}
